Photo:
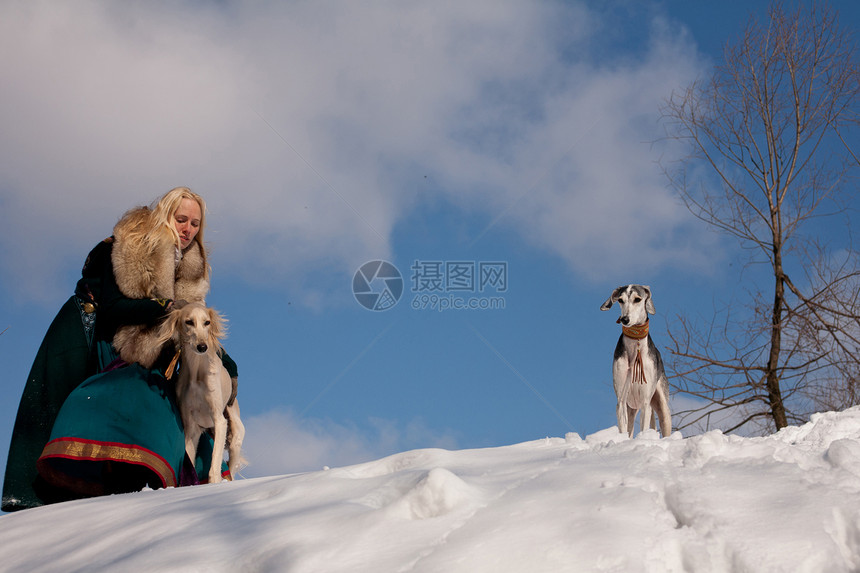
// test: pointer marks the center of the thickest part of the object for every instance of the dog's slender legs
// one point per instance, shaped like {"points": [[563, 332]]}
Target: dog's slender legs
{"points": [[631, 421], [220, 436], [646, 417], [218, 450], [620, 373], [660, 403], [238, 435], [191, 440], [621, 412], [191, 429], [631, 412]]}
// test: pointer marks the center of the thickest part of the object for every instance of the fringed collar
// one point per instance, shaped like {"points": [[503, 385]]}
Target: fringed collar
{"points": [[637, 331]]}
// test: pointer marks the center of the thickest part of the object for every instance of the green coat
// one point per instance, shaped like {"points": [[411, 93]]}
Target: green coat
{"points": [[63, 361], [76, 346]]}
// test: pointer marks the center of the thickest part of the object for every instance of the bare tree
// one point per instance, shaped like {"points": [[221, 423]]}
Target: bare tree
{"points": [[770, 160]]}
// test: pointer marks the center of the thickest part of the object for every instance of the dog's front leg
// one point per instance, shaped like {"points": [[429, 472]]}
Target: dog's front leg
{"points": [[192, 436], [631, 420], [660, 403], [237, 430], [628, 406], [621, 413], [647, 417], [190, 446], [620, 373], [220, 437]]}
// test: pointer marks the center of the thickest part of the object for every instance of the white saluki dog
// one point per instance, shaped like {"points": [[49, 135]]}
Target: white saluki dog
{"points": [[203, 386], [637, 368]]}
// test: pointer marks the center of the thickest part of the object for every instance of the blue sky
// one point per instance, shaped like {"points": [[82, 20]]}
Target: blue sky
{"points": [[326, 135]]}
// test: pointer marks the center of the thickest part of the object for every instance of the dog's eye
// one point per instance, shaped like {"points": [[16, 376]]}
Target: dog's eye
{"points": [[206, 323], [637, 300], [189, 322]]}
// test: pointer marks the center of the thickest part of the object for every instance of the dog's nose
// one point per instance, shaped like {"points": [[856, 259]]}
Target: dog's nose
{"points": [[624, 320], [202, 348]]}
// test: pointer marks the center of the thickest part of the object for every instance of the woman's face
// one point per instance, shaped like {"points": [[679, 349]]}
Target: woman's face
{"points": [[186, 220]]}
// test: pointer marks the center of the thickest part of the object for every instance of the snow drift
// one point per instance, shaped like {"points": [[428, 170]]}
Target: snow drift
{"points": [[713, 502]]}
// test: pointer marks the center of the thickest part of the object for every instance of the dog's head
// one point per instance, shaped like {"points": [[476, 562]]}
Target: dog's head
{"points": [[194, 327], [634, 301]]}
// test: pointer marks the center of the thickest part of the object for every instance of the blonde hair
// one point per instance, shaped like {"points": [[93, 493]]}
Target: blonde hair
{"points": [[149, 226], [164, 208]]}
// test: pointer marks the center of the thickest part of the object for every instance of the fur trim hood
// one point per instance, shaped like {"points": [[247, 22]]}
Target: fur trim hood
{"points": [[149, 265]]}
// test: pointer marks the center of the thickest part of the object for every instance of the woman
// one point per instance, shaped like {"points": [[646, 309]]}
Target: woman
{"points": [[118, 428]]}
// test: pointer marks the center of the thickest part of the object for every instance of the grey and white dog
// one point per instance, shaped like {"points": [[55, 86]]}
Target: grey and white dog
{"points": [[637, 367]]}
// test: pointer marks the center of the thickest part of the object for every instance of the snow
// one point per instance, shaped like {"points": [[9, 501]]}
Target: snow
{"points": [[712, 502]]}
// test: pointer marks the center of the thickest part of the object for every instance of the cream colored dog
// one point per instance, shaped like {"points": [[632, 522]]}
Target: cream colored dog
{"points": [[203, 386]]}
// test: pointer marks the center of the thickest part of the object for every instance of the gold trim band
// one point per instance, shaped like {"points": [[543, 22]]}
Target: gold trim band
{"points": [[90, 450]]}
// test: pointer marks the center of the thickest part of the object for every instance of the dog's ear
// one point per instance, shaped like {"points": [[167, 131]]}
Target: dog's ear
{"points": [[169, 328], [649, 302], [177, 317], [217, 325], [612, 298]]}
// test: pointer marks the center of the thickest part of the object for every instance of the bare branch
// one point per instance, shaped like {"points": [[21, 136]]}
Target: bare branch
{"points": [[772, 126]]}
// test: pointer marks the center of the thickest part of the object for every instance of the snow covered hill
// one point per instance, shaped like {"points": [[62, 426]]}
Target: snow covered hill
{"points": [[787, 502]]}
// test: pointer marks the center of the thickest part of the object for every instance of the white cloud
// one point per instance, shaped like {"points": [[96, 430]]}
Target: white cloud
{"points": [[279, 442], [305, 126]]}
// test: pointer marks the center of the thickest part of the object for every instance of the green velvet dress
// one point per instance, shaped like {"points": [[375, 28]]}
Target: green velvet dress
{"points": [[117, 432]]}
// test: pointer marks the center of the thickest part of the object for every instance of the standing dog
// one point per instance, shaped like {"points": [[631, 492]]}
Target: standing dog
{"points": [[637, 368], [203, 386]]}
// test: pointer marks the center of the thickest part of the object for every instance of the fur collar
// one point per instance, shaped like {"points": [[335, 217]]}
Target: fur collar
{"points": [[145, 265]]}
